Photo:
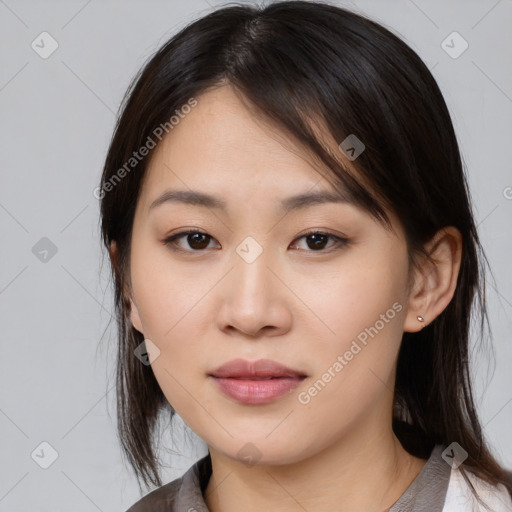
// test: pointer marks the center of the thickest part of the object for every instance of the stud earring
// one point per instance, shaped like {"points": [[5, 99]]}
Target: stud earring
{"points": [[420, 319]]}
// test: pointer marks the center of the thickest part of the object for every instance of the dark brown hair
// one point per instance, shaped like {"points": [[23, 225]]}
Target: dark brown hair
{"points": [[301, 65]]}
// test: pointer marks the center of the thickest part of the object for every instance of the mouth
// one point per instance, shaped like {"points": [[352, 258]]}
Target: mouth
{"points": [[262, 369], [258, 382]]}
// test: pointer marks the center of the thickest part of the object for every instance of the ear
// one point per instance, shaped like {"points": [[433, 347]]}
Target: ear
{"points": [[129, 303], [435, 282]]}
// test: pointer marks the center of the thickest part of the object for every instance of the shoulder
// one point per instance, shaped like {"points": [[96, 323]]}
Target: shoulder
{"points": [[159, 500], [184, 493], [460, 498]]}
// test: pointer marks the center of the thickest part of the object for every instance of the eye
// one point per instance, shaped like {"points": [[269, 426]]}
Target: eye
{"points": [[198, 241], [316, 240]]}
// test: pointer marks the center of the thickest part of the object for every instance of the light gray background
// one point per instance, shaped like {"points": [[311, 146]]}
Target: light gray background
{"points": [[56, 122]]}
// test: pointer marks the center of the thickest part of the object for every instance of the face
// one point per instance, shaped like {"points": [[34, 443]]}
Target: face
{"points": [[256, 284]]}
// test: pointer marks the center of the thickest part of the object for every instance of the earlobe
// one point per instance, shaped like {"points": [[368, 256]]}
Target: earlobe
{"points": [[436, 280], [113, 256], [129, 304], [134, 317]]}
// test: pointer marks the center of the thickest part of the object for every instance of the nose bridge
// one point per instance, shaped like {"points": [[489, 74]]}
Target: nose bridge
{"points": [[251, 299], [252, 277], [254, 300]]}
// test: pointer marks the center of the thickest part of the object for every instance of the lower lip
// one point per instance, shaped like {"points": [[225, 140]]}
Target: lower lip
{"points": [[257, 391]]}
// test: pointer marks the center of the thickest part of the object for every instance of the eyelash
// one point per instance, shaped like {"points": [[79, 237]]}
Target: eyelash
{"points": [[340, 241]]}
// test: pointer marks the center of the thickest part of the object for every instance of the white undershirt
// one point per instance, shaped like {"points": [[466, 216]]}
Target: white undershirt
{"points": [[460, 498]]}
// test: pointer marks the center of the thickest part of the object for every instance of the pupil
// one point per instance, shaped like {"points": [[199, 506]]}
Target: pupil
{"points": [[195, 241], [317, 243]]}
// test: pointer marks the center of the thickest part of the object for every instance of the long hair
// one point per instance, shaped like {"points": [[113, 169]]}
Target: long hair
{"points": [[304, 65]]}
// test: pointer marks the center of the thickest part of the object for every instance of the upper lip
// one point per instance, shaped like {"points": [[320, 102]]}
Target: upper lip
{"points": [[260, 368]]}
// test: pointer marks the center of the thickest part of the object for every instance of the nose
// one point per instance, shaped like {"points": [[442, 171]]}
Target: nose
{"points": [[254, 299]]}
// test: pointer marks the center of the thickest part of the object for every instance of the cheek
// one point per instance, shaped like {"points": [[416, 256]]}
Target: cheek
{"points": [[169, 306], [364, 291], [166, 293], [172, 302], [361, 308], [355, 355]]}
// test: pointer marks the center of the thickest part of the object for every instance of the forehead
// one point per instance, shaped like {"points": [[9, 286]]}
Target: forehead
{"points": [[220, 146]]}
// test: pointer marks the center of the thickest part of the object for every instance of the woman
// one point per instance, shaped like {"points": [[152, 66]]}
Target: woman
{"points": [[295, 262]]}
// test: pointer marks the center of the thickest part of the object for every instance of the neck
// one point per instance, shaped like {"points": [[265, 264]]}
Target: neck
{"points": [[359, 472]]}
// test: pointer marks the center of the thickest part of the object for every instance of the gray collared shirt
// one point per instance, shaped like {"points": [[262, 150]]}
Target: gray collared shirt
{"points": [[426, 493]]}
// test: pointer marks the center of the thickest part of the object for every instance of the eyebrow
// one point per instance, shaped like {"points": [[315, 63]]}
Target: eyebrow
{"points": [[297, 202]]}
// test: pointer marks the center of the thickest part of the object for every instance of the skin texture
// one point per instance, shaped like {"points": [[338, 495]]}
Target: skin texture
{"points": [[295, 304]]}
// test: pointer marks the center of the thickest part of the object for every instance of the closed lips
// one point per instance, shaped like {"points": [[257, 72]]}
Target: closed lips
{"points": [[262, 369], [256, 378]]}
